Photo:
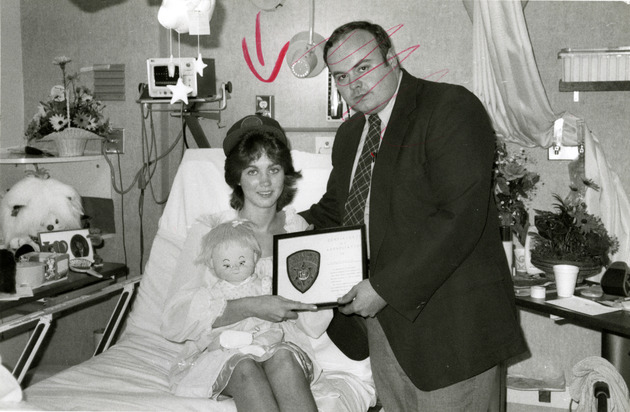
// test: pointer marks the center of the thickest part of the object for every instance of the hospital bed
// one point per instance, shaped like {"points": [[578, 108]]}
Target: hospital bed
{"points": [[132, 374]]}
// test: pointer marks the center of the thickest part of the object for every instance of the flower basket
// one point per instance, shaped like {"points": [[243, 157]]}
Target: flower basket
{"points": [[72, 141], [69, 117], [546, 265]]}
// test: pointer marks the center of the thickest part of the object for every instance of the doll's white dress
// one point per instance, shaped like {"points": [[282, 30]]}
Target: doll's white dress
{"points": [[203, 368]]}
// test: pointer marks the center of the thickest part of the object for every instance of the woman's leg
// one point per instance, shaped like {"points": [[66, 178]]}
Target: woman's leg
{"points": [[290, 387], [250, 388]]}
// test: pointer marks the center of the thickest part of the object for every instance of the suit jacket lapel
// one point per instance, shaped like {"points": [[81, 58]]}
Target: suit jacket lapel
{"points": [[393, 142]]}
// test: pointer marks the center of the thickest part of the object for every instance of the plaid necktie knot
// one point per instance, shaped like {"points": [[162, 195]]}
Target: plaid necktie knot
{"points": [[355, 204]]}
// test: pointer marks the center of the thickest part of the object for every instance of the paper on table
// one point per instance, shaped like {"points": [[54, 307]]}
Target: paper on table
{"points": [[583, 305]]}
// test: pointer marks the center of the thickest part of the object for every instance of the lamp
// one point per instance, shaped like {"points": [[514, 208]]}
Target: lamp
{"points": [[305, 56]]}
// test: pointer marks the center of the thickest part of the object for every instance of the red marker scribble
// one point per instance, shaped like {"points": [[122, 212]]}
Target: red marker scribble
{"points": [[261, 59], [408, 51], [259, 52], [391, 61], [444, 72], [312, 49], [402, 56], [395, 29]]}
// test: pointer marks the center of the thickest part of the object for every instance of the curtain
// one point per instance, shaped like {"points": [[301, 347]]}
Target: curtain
{"points": [[610, 202], [505, 75], [506, 80]]}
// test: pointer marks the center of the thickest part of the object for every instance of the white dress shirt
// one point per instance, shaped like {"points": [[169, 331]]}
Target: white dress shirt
{"points": [[384, 115]]}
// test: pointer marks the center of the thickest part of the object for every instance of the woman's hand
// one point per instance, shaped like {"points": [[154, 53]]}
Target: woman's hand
{"points": [[277, 308], [267, 307]]}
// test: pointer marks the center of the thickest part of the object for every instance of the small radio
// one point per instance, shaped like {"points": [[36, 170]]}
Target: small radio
{"points": [[616, 279], [159, 77]]}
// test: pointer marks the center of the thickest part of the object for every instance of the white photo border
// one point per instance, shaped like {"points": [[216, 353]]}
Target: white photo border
{"points": [[72, 242]]}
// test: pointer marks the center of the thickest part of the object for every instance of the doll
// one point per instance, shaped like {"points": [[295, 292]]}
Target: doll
{"points": [[229, 253]]}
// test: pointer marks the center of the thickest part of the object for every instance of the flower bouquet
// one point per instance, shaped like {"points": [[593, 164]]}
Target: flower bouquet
{"points": [[512, 184], [70, 117]]}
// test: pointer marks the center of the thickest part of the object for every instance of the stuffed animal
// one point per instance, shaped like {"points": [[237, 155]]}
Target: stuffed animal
{"points": [[35, 204]]}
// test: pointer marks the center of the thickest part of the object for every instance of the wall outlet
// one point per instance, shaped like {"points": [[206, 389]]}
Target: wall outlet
{"points": [[265, 105], [323, 144], [115, 142]]}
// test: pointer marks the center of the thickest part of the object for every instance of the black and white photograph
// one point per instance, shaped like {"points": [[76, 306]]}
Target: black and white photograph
{"points": [[315, 205]]}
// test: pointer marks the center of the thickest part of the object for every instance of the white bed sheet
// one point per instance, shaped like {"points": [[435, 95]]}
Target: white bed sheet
{"points": [[132, 375]]}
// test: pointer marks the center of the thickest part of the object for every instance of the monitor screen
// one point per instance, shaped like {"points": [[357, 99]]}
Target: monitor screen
{"points": [[162, 78]]}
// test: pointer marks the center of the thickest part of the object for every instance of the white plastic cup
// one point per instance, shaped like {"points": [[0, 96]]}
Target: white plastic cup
{"points": [[566, 278]]}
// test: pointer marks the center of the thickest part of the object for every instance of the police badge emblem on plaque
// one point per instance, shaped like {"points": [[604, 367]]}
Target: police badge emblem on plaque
{"points": [[303, 268]]}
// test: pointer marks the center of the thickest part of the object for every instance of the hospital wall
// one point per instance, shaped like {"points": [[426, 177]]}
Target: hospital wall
{"points": [[128, 32]]}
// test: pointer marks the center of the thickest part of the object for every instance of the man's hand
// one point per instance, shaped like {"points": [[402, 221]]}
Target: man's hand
{"points": [[362, 299]]}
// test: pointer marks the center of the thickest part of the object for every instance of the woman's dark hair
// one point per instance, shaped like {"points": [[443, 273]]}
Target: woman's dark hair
{"points": [[250, 148], [381, 36]]}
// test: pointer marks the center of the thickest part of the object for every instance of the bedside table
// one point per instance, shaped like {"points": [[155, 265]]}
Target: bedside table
{"points": [[54, 298]]}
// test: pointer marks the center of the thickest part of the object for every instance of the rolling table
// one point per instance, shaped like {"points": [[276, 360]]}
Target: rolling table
{"points": [[56, 297], [614, 327]]}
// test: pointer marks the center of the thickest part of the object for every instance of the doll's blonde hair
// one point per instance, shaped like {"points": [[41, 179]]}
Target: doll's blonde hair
{"points": [[239, 232]]}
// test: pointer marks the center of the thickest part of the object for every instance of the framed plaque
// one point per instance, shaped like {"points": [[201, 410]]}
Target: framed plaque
{"points": [[319, 266]]}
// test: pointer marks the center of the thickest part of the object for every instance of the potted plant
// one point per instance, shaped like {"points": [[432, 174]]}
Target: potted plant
{"points": [[571, 235], [70, 117]]}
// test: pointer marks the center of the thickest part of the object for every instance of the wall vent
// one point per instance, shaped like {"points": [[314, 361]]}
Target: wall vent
{"points": [[109, 82]]}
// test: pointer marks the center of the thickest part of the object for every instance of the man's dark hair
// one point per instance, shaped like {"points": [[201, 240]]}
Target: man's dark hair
{"points": [[382, 37]]}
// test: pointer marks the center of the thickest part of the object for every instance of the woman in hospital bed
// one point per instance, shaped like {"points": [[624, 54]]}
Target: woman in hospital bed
{"points": [[259, 169], [261, 364]]}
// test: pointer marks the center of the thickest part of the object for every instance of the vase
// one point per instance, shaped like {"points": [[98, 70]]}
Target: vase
{"points": [[546, 265], [72, 141], [520, 265]]}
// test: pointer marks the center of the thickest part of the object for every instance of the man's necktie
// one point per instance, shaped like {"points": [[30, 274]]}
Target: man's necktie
{"points": [[355, 205]]}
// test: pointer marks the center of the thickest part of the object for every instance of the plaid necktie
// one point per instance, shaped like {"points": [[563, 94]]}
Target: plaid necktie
{"points": [[355, 204]]}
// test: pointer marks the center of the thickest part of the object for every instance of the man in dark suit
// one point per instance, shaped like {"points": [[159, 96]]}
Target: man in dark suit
{"points": [[439, 302]]}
